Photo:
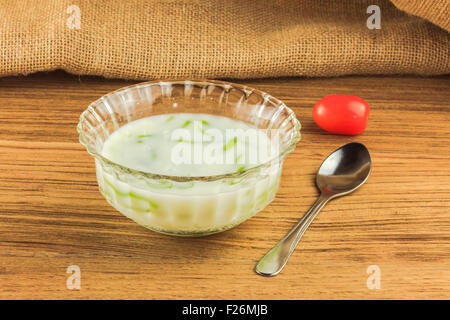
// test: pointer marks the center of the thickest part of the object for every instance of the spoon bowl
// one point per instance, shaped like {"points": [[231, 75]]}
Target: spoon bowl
{"points": [[345, 170]]}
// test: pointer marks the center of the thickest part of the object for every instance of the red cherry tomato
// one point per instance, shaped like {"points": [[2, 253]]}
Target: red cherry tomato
{"points": [[342, 114]]}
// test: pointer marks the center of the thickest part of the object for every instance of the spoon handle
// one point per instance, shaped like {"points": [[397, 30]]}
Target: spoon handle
{"points": [[274, 260]]}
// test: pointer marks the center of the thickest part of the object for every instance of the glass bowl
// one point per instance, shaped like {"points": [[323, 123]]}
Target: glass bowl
{"points": [[167, 204]]}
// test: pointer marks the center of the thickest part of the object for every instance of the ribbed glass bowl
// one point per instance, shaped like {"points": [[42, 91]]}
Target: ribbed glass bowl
{"points": [[167, 204]]}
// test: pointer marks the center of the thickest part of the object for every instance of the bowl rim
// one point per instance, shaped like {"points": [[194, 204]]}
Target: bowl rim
{"points": [[225, 84]]}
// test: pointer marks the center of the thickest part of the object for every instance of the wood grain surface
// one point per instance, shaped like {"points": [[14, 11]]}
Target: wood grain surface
{"points": [[53, 216]]}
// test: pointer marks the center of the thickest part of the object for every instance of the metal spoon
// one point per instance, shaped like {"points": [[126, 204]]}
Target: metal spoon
{"points": [[344, 171]]}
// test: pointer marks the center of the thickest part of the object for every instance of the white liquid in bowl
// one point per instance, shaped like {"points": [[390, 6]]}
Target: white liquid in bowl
{"points": [[189, 145]]}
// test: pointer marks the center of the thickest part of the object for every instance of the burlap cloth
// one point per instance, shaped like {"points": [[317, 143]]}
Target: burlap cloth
{"points": [[136, 39]]}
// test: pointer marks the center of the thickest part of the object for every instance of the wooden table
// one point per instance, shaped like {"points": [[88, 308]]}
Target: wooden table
{"points": [[52, 215]]}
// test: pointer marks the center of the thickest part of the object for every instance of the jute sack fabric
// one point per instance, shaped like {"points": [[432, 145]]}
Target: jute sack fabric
{"points": [[170, 39]]}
